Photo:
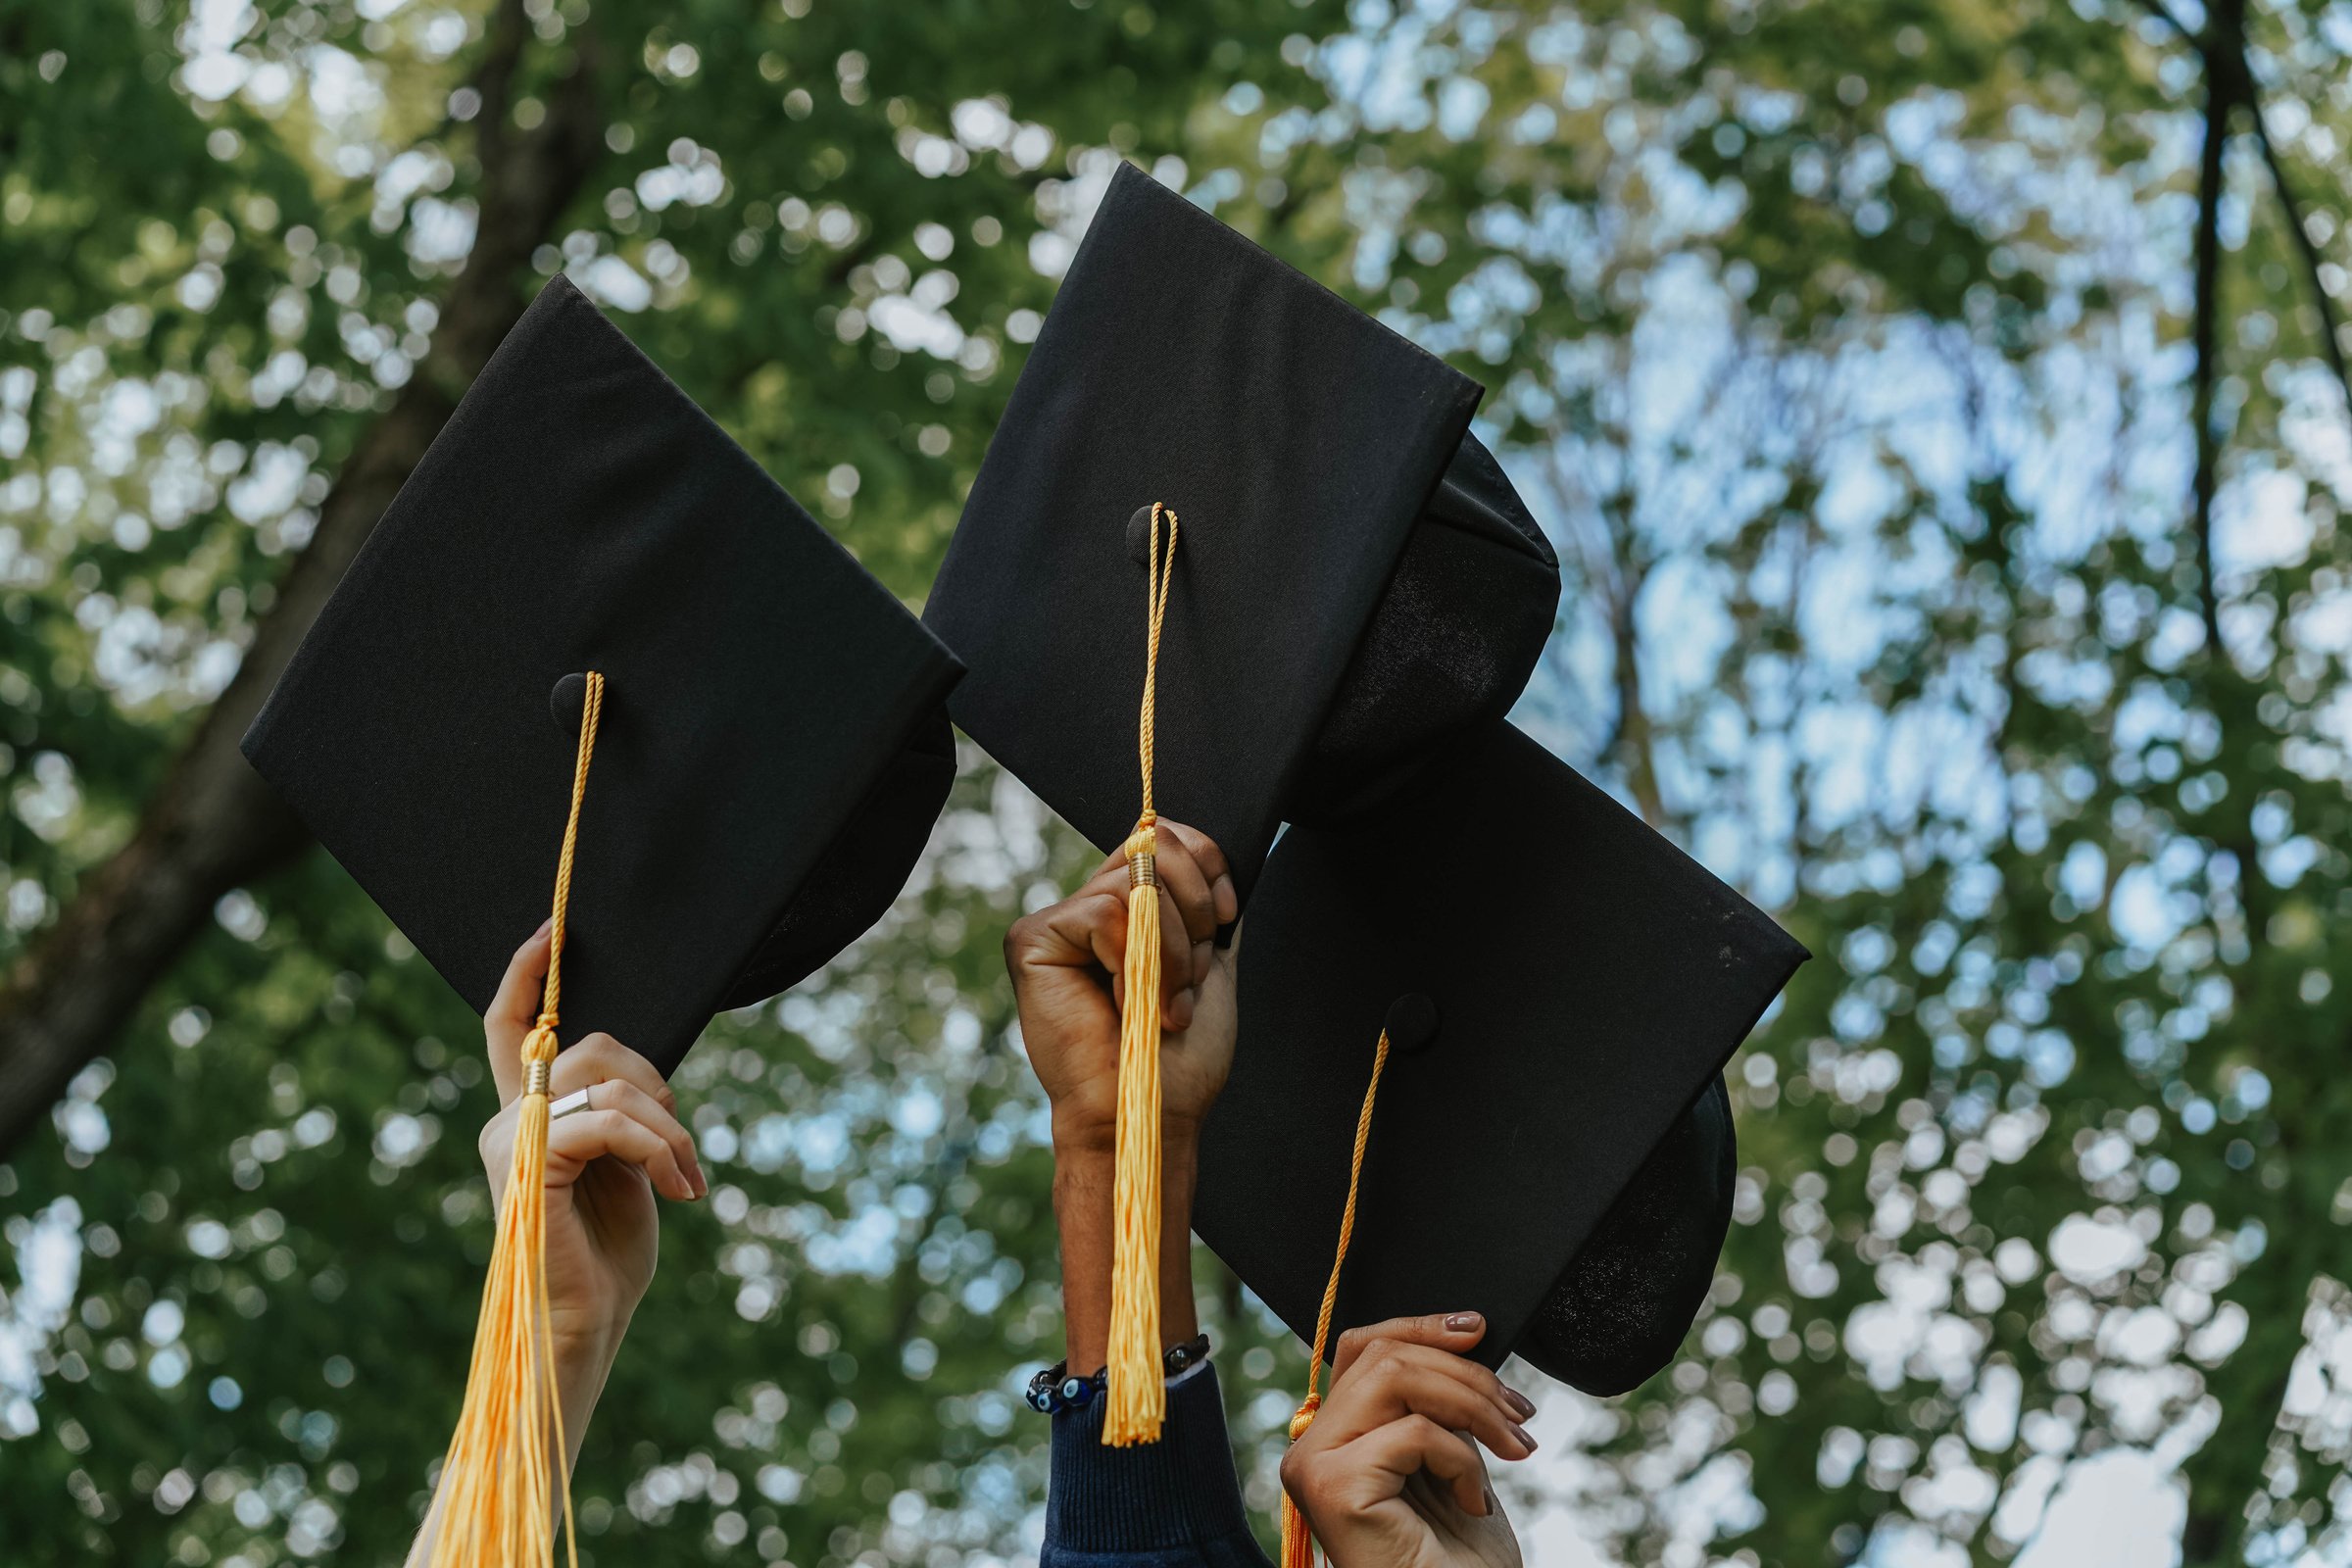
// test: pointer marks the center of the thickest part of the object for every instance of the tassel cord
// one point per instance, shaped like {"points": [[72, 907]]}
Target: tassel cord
{"points": [[1297, 1542]]}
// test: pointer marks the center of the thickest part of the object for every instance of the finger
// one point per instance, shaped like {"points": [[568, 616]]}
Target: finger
{"points": [[1188, 893], [1176, 978], [1457, 1332], [1101, 906], [574, 1141], [619, 1094], [1399, 1451], [1225, 904], [1181, 874], [1087, 930], [1396, 1379], [596, 1057], [514, 1009]]}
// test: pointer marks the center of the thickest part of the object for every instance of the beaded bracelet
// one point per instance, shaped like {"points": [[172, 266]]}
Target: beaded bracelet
{"points": [[1056, 1389]]}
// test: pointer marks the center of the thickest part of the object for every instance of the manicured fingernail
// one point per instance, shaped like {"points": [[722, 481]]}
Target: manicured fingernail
{"points": [[1521, 1406], [1492, 1502], [1463, 1322], [545, 926], [1524, 1441], [1228, 903]]}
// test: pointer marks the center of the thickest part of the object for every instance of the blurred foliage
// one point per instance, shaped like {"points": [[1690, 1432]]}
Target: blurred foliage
{"points": [[1840, 345]]}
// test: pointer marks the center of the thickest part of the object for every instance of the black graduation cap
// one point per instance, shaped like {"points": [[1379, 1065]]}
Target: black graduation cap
{"points": [[1550, 1144], [773, 750], [1355, 582]]}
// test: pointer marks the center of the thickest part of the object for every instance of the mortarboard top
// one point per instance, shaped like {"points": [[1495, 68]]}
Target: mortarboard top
{"points": [[772, 749], [1578, 983], [1355, 582]]}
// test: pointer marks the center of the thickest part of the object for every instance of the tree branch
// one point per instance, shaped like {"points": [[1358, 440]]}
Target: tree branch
{"points": [[2164, 14], [2204, 330], [2329, 340], [211, 824]]}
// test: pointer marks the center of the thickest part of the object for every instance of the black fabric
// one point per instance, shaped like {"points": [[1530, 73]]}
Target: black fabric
{"points": [[1324, 573], [1619, 1311], [773, 721], [862, 870], [1448, 649], [1174, 1503], [1588, 980]]}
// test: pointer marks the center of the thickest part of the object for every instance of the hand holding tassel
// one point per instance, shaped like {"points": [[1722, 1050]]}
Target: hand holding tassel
{"points": [[1069, 964], [603, 1170], [1387, 1467]]}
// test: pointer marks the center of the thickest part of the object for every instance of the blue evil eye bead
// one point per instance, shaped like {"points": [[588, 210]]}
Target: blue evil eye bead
{"points": [[1077, 1393]]}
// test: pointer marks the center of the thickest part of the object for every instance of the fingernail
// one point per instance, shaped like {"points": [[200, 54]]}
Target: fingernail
{"points": [[1228, 903], [1524, 1441], [1463, 1322], [1204, 954], [1521, 1406], [545, 926], [1492, 1502]]}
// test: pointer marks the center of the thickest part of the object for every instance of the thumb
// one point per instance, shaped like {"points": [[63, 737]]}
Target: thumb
{"points": [[514, 1009]]}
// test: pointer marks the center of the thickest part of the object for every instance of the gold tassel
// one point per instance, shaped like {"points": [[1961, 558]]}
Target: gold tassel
{"points": [[1297, 1542], [507, 1450], [1136, 1398]]}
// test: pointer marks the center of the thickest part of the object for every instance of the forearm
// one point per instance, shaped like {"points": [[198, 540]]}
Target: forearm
{"points": [[1083, 1183]]}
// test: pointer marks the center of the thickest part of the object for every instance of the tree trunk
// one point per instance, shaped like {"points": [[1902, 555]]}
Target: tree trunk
{"points": [[213, 824]]}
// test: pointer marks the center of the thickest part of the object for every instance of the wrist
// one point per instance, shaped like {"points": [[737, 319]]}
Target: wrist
{"points": [[583, 1355], [1081, 1133], [1086, 1135]]}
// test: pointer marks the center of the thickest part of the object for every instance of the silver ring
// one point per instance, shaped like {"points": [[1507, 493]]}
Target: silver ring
{"points": [[577, 1099]]}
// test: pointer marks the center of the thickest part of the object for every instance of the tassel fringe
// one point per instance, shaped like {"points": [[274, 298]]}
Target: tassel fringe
{"points": [[1137, 1396]]}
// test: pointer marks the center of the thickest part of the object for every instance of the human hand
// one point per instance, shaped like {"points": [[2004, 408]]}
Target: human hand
{"points": [[605, 1163], [1066, 963], [1388, 1475]]}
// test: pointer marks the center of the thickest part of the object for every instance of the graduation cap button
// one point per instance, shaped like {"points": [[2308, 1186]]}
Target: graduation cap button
{"points": [[1413, 1022], [565, 704], [1139, 536]]}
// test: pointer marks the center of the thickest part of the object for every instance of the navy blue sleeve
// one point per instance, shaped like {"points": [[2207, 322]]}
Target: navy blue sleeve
{"points": [[1174, 1503]]}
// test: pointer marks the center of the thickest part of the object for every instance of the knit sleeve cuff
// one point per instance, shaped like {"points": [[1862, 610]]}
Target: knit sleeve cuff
{"points": [[1177, 1493]]}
